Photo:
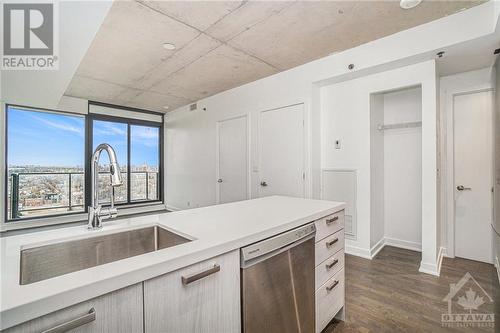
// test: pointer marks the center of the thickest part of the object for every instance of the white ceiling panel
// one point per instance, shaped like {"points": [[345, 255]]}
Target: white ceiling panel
{"points": [[198, 14], [156, 102], [94, 90], [245, 17], [224, 44], [219, 70], [311, 30], [191, 52], [130, 43]]}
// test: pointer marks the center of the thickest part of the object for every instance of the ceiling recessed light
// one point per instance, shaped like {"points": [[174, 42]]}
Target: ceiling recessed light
{"points": [[168, 46], [408, 4], [166, 107]]}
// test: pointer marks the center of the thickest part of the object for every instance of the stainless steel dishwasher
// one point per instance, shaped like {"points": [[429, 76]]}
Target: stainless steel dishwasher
{"points": [[277, 283]]}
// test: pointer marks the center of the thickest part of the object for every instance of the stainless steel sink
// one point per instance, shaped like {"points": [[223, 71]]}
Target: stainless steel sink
{"points": [[47, 261]]}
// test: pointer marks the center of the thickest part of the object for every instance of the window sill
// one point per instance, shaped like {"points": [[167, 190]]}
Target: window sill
{"points": [[47, 223]]}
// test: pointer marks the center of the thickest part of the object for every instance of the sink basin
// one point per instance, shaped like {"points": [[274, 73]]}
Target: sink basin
{"points": [[47, 261]]}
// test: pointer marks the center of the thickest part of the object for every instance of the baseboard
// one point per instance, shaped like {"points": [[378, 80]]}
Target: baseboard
{"points": [[497, 265], [387, 241], [427, 268], [172, 208], [377, 247], [357, 251], [403, 244], [433, 269]]}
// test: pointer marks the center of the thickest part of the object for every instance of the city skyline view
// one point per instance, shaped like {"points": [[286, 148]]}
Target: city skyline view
{"points": [[46, 139], [46, 163]]}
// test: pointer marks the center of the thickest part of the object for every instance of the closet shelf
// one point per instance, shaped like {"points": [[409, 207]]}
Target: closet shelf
{"points": [[400, 125]]}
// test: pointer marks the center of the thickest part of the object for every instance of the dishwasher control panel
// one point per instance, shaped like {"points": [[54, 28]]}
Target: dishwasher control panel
{"points": [[276, 243]]}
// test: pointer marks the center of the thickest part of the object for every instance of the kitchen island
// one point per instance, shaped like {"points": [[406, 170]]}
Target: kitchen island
{"points": [[215, 231]]}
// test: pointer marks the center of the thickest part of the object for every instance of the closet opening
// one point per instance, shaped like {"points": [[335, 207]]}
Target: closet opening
{"points": [[396, 169]]}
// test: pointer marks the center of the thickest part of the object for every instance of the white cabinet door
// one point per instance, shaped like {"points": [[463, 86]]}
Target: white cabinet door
{"points": [[119, 311], [282, 151], [201, 298]]}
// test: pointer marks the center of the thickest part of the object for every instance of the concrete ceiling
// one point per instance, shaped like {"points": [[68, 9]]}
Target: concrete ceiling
{"points": [[224, 44]]}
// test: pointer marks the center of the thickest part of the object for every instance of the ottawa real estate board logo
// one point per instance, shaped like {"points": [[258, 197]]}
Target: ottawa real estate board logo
{"points": [[469, 305], [30, 36]]}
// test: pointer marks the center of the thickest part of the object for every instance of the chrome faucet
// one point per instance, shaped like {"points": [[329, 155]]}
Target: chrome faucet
{"points": [[96, 212]]}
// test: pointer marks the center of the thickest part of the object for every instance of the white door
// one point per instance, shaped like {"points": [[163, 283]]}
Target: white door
{"points": [[282, 151], [473, 175], [232, 163]]}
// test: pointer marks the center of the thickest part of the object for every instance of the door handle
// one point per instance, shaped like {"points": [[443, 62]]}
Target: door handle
{"points": [[219, 180], [264, 184], [462, 188], [74, 323]]}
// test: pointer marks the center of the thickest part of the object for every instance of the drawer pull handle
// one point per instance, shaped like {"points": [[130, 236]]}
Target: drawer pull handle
{"points": [[195, 277], [331, 264], [74, 323], [333, 241], [333, 219], [333, 285]]}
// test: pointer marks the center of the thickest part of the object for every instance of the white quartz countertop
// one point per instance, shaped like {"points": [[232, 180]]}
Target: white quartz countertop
{"points": [[215, 230]]}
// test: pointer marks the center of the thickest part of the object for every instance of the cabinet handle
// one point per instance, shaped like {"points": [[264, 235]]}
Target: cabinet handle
{"points": [[333, 219], [333, 263], [333, 241], [195, 277], [74, 323], [333, 285]]}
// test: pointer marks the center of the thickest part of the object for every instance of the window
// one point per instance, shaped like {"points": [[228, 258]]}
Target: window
{"points": [[48, 160], [144, 162], [45, 163], [114, 134], [137, 146]]}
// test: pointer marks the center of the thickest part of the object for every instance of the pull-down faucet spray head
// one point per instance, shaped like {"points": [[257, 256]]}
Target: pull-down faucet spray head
{"points": [[96, 212], [116, 175]]}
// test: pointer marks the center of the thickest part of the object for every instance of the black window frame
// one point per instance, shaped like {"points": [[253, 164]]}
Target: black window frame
{"points": [[88, 150], [130, 122]]}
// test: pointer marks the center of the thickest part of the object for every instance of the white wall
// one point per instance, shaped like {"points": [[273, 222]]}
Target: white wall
{"points": [[449, 86], [403, 169], [301, 85], [346, 116], [377, 174], [496, 172]]}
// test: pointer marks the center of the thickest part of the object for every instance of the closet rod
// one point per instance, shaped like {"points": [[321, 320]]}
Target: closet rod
{"points": [[401, 125]]}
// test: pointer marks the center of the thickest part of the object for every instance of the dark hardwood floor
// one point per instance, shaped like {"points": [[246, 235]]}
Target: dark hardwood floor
{"points": [[388, 294]]}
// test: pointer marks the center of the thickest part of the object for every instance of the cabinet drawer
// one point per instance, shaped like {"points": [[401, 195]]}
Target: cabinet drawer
{"points": [[118, 311], [328, 246], [204, 297], [329, 224], [329, 300], [329, 268]]}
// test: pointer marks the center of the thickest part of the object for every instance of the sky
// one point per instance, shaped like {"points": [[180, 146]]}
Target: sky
{"points": [[48, 139]]}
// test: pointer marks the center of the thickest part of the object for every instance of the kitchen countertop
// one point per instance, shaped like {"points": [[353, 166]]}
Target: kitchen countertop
{"points": [[215, 230]]}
